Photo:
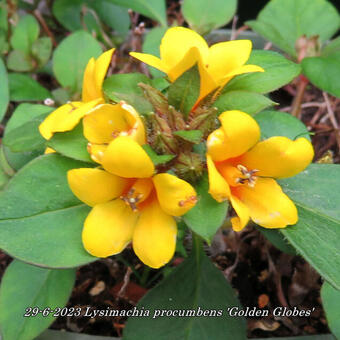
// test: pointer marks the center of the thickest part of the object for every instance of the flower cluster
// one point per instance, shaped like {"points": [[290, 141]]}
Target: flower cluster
{"points": [[135, 199]]}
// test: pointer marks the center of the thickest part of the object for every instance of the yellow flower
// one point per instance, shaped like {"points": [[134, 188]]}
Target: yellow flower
{"points": [[66, 117], [130, 203], [106, 122], [241, 169], [181, 48]]}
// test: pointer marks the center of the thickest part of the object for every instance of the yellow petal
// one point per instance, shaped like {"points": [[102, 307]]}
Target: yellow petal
{"points": [[241, 132], [100, 69], [89, 91], [279, 157], [95, 186], [227, 56], [177, 41], [189, 59], [108, 228], [268, 205], [48, 150], [96, 151], [126, 158], [241, 70], [207, 82], [106, 122], [241, 220], [151, 60], [218, 186], [46, 128], [175, 195], [154, 238]]}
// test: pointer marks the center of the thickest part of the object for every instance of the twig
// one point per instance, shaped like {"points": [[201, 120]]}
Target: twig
{"points": [[233, 28], [330, 112], [268, 46], [296, 105], [42, 21], [125, 283]]}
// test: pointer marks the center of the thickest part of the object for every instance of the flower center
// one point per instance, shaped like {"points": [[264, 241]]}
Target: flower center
{"points": [[132, 198], [248, 176]]}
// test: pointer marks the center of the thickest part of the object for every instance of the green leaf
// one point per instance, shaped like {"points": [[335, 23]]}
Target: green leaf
{"points": [[46, 230], [154, 9], [276, 123], [195, 285], [62, 335], [4, 177], [24, 286], [207, 215], [112, 15], [317, 233], [192, 136], [283, 22], [249, 102], [26, 137], [4, 90], [19, 61], [157, 159], [68, 13], [25, 33], [125, 87], [305, 337], [217, 13], [152, 41], [279, 71], [278, 240], [331, 48], [324, 72], [71, 144], [71, 56], [23, 88], [41, 50], [23, 114], [330, 301], [184, 92]]}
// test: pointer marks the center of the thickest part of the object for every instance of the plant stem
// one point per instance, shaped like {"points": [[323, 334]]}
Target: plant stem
{"points": [[296, 106]]}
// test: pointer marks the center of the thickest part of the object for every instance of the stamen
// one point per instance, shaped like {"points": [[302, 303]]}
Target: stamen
{"points": [[132, 200], [248, 174]]}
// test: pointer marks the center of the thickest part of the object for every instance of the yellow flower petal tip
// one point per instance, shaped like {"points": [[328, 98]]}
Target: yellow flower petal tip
{"points": [[94, 75], [239, 132], [108, 228], [175, 196], [181, 48], [95, 186], [126, 158], [154, 238]]}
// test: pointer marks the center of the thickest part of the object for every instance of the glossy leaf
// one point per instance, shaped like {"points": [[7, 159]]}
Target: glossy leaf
{"points": [[46, 230], [324, 72], [125, 87], [191, 136], [184, 92], [330, 301], [25, 33], [207, 215], [276, 123], [283, 22], [26, 137], [26, 286], [157, 159], [249, 102], [217, 13], [279, 71], [4, 90], [194, 285], [316, 235], [23, 88], [154, 9], [71, 144], [71, 56]]}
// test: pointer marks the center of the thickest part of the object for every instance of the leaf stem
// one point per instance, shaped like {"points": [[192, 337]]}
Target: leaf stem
{"points": [[296, 106]]}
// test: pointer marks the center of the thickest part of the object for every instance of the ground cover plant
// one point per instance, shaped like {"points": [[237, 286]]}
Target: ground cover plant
{"points": [[168, 171]]}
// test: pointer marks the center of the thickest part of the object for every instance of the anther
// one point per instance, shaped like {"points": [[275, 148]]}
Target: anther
{"points": [[192, 200]]}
